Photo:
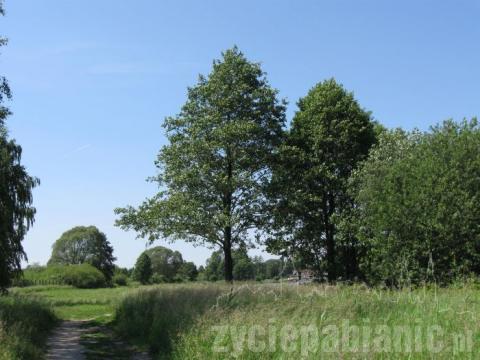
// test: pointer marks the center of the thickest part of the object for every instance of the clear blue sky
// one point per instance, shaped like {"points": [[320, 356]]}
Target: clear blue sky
{"points": [[92, 81]]}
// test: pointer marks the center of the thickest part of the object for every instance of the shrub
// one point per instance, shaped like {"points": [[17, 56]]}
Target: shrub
{"points": [[84, 276], [24, 326], [158, 279], [120, 279], [81, 276]]}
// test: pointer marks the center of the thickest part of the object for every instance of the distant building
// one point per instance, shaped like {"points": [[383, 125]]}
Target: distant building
{"points": [[304, 275]]}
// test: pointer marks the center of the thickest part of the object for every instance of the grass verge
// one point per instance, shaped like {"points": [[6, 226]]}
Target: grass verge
{"points": [[24, 326]]}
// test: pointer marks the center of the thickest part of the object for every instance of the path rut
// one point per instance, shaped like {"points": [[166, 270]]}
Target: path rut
{"points": [[85, 340]]}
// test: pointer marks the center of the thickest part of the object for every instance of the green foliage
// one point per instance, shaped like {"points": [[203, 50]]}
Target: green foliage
{"points": [[83, 244], [16, 210], [165, 262], [80, 276], [418, 199], [158, 279], [274, 268], [143, 269], [217, 161], [245, 268], [24, 326], [83, 276], [189, 271], [120, 279], [215, 268], [329, 135], [42, 275]]}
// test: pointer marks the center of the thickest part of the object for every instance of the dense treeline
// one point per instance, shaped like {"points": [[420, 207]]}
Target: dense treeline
{"points": [[417, 205], [336, 193], [163, 265]]}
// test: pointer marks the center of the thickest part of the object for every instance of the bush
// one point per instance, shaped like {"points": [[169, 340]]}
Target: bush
{"points": [[24, 326], [84, 276], [120, 279], [158, 279], [81, 276]]}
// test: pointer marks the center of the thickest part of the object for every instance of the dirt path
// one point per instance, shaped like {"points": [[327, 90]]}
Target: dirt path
{"points": [[64, 343], [85, 340]]}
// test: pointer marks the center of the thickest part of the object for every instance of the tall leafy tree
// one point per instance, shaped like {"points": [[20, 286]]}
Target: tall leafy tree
{"points": [[214, 168], [329, 136], [84, 244], [16, 210]]}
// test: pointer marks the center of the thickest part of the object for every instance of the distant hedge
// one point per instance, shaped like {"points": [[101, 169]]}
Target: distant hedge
{"points": [[84, 276], [80, 276]]}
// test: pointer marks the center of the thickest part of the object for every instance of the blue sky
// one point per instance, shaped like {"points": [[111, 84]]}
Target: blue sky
{"points": [[92, 81]]}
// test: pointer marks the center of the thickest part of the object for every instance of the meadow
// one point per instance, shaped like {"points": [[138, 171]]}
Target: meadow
{"points": [[24, 326], [278, 320]]}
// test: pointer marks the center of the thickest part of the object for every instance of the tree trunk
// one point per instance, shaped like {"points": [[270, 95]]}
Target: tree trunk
{"points": [[227, 242], [227, 252], [330, 240], [330, 254]]}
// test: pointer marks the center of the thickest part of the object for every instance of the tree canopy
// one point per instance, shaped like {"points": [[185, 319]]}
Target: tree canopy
{"points": [[165, 262], [418, 197], [330, 134], [213, 171], [84, 244], [143, 269]]}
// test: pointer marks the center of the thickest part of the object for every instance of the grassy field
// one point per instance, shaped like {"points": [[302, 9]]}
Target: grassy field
{"points": [[70, 303], [278, 321], [24, 326]]}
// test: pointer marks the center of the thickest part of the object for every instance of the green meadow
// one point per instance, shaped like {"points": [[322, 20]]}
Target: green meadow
{"points": [[275, 320]]}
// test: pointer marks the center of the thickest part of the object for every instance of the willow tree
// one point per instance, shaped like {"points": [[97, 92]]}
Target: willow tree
{"points": [[213, 170], [16, 211]]}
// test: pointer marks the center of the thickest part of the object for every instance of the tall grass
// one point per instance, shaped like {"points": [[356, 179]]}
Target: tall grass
{"points": [[154, 318], [24, 326], [213, 322]]}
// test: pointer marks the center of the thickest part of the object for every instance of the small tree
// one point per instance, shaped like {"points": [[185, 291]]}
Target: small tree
{"points": [[143, 269], [84, 245]]}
